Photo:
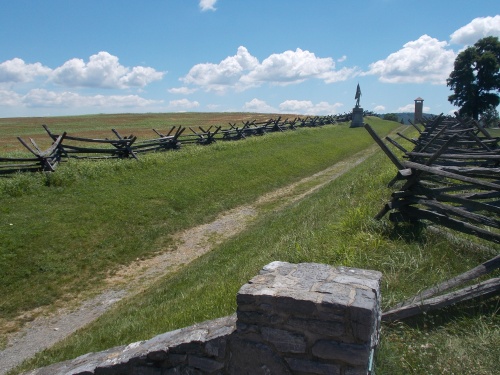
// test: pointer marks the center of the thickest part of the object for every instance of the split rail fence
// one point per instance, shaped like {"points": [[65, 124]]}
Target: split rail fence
{"points": [[451, 177], [67, 146]]}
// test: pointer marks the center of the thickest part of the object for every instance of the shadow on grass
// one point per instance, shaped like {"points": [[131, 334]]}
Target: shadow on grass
{"points": [[409, 232]]}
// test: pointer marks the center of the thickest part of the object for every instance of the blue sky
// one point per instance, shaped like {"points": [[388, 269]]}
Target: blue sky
{"points": [[66, 57]]}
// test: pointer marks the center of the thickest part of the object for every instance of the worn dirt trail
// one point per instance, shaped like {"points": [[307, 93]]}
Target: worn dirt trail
{"points": [[50, 327]]}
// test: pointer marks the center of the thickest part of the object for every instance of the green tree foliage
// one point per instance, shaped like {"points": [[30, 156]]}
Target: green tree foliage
{"points": [[475, 79], [391, 117], [490, 117]]}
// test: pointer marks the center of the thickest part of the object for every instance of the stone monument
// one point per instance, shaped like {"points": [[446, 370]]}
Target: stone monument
{"points": [[357, 111]]}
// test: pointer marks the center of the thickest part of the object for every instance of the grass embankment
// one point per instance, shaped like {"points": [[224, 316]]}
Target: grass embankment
{"points": [[333, 226], [62, 233]]}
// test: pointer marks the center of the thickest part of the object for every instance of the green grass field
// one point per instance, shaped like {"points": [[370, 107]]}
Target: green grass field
{"points": [[64, 232]]}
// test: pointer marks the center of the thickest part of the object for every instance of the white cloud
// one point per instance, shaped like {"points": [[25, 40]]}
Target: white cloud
{"points": [[411, 108], [9, 98], [379, 108], [243, 71], [306, 107], [45, 98], [207, 5], [289, 67], [182, 105], [103, 70], [342, 59], [478, 28], [218, 77], [182, 90], [423, 60], [213, 107], [16, 70], [257, 105], [343, 74], [303, 107], [140, 76], [407, 108]]}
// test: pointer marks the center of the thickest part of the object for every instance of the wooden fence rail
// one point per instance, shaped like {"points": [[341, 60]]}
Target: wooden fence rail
{"points": [[451, 177], [42, 161]]}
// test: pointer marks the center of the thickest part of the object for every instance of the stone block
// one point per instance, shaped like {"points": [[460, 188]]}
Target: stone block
{"points": [[176, 359], [284, 341], [216, 348], [314, 327], [251, 358], [143, 371], [157, 356], [204, 364], [349, 353], [304, 366]]}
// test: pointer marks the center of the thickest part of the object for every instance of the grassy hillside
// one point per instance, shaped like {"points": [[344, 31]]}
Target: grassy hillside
{"points": [[63, 232], [333, 226]]}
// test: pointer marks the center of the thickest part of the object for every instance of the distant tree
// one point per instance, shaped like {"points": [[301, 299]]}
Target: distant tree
{"points": [[475, 79], [490, 117], [391, 117]]}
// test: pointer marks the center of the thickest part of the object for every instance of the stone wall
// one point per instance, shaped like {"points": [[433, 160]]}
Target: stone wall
{"points": [[291, 319]]}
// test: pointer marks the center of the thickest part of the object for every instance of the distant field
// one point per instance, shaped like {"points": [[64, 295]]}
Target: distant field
{"points": [[99, 126]]}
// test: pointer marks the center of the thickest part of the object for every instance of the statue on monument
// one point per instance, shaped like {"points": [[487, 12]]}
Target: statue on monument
{"points": [[358, 96], [357, 111]]}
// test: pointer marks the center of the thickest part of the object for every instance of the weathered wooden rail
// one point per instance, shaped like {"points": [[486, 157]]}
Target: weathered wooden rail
{"points": [[433, 298], [74, 147], [42, 161], [164, 142], [451, 177]]}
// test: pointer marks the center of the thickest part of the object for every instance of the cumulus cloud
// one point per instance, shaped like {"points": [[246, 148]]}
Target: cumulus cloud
{"points": [[46, 98], [9, 98], [303, 107], [243, 71], [379, 108], [306, 107], [17, 71], [257, 105], [213, 107], [207, 5], [218, 77], [424, 60], [182, 90], [411, 108], [478, 28], [182, 105], [289, 67], [103, 70], [343, 74]]}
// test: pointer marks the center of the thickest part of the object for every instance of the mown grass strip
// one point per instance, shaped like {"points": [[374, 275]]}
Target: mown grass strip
{"points": [[333, 226]]}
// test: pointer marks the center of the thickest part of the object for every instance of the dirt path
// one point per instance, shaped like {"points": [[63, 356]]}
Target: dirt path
{"points": [[49, 328]]}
